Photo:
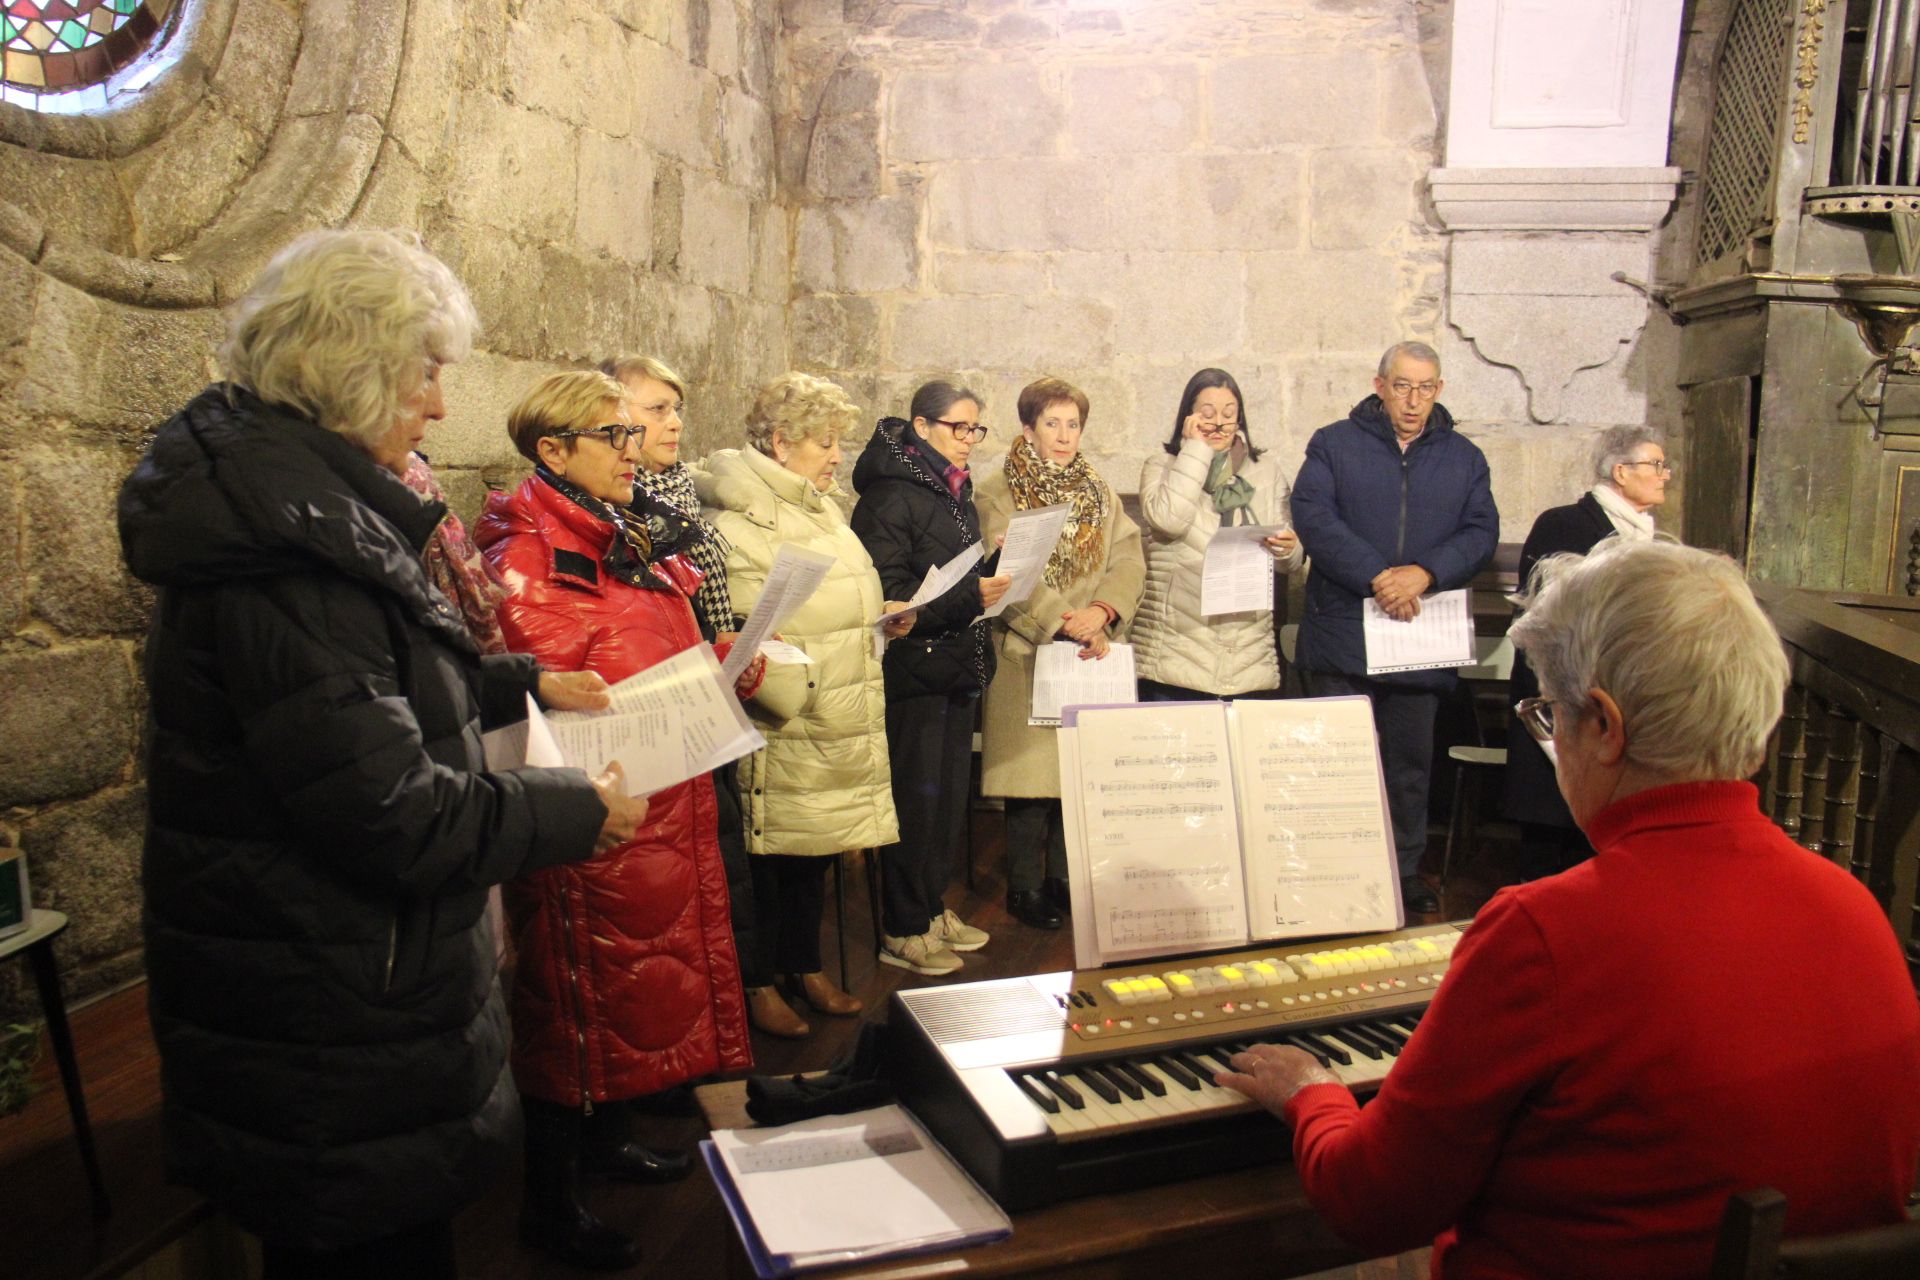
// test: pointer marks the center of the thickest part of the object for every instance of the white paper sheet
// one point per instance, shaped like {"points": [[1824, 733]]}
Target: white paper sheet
{"points": [[1031, 538], [1062, 678], [1318, 844], [1159, 842], [673, 721], [1237, 574], [795, 575], [1440, 636], [784, 654], [855, 1185], [939, 580]]}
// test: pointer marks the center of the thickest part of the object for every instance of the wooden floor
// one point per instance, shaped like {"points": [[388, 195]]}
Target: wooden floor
{"points": [[49, 1234]]}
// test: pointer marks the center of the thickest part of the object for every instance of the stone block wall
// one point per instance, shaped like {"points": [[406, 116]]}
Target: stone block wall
{"points": [[601, 174], [1115, 193]]}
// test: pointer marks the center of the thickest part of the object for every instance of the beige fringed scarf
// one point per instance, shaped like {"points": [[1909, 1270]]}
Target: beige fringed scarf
{"points": [[1036, 483]]}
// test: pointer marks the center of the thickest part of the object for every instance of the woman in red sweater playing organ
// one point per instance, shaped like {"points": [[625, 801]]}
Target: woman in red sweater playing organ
{"points": [[1703, 1008]]}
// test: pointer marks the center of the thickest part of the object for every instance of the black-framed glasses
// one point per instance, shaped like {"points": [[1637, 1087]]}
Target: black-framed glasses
{"points": [[616, 434], [1660, 465], [1536, 714], [973, 431]]}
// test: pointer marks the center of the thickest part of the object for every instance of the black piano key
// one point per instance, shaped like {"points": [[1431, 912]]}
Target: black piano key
{"points": [[1120, 1080], [1040, 1097], [1363, 1043], [1322, 1046], [1061, 1089], [1146, 1079], [1396, 1038], [1324, 1059], [1192, 1062], [1176, 1071], [1094, 1081]]}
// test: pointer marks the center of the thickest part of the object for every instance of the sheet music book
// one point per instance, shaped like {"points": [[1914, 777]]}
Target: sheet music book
{"points": [[1440, 635], [1201, 825], [843, 1189]]}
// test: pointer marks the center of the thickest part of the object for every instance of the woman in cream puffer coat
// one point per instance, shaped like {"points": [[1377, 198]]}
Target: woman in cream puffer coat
{"points": [[1208, 475], [822, 784]]}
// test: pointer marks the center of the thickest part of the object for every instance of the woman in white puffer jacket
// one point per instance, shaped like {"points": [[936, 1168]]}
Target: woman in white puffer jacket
{"points": [[1209, 475], [822, 784]]}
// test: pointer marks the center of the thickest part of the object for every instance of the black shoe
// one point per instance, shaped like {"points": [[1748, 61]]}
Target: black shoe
{"points": [[571, 1234], [1059, 895], [1030, 906], [631, 1162], [1419, 898]]}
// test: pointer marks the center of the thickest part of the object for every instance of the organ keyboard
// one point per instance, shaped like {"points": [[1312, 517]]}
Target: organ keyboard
{"points": [[1063, 1084]]}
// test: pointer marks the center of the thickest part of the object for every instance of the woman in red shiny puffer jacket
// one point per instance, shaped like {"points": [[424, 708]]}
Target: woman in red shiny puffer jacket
{"points": [[628, 982]]}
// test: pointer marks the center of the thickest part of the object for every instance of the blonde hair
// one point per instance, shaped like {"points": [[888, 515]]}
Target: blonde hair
{"points": [[629, 367], [1675, 636], [561, 402], [340, 327], [799, 406]]}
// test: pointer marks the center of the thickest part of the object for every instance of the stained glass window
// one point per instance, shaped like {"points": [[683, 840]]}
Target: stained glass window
{"points": [[66, 54]]}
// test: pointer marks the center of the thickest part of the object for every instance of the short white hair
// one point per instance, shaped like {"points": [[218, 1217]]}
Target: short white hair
{"points": [[340, 325], [1618, 445], [1413, 351], [1674, 635]]}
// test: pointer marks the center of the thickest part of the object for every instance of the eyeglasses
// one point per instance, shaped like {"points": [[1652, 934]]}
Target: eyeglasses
{"points": [[1404, 390], [1536, 714], [662, 411], [963, 430], [616, 434], [1663, 467]]}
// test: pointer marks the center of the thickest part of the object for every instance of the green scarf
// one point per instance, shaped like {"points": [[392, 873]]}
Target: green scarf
{"points": [[1231, 491]]}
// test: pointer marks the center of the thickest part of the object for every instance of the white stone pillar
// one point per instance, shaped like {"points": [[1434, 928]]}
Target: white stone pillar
{"points": [[1557, 127]]}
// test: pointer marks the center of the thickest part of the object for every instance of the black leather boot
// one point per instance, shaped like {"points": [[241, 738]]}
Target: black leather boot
{"points": [[608, 1150], [1030, 907], [552, 1219], [1059, 895]]}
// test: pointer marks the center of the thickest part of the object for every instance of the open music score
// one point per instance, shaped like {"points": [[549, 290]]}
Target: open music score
{"points": [[1194, 826]]}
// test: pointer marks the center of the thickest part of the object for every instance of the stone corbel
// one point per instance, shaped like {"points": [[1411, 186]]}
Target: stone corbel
{"points": [[1534, 257]]}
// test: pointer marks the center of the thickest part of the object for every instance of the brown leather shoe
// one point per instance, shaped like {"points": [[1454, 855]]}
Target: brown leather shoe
{"points": [[817, 991], [772, 1015]]}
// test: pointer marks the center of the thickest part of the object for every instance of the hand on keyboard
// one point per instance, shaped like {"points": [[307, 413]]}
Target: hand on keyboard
{"points": [[1271, 1074]]}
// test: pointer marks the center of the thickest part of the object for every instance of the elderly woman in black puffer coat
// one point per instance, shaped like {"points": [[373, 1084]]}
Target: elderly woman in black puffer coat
{"points": [[323, 831]]}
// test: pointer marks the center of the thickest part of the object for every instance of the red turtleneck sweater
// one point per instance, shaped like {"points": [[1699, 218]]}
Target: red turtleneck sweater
{"points": [[1703, 1008]]}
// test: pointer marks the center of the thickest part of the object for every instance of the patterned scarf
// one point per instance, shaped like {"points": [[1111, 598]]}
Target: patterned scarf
{"points": [[1232, 492], [1037, 483], [456, 567], [676, 526], [629, 553]]}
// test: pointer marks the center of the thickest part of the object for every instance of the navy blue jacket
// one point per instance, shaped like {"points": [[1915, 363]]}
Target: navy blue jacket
{"points": [[1361, 506]]}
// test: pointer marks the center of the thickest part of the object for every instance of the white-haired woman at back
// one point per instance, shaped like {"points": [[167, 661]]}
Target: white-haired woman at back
{"points": [[323, 831], [1702, 1008]]}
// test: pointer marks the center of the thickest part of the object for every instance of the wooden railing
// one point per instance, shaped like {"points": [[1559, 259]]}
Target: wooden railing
{"points": [[1843, 770]]}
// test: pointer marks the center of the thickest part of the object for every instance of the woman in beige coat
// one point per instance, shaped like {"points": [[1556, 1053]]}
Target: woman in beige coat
{"points": [[822, 783], [1209, 475], [1087, 594]]}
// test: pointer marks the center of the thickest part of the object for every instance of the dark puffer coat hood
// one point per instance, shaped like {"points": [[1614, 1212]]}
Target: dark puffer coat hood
{"points": [[910, 522], [321, 838]]}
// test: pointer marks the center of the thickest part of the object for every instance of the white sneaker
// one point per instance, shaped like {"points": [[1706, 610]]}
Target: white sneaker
{"points": [[922, 953], [949, 928]]}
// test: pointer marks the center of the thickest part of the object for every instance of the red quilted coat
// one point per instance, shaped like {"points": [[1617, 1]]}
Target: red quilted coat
{"points": [[627, 981]]}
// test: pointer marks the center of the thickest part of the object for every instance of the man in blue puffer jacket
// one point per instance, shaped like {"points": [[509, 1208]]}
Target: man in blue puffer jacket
{"points": [[1391, 503]]}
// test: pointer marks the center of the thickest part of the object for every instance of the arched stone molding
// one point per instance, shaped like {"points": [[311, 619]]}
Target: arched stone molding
{"points": [[295, 151]]}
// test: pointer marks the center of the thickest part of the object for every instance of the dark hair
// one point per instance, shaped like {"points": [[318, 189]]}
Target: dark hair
{"points": [[1195, 385], [933, 400], [1035, 397]]}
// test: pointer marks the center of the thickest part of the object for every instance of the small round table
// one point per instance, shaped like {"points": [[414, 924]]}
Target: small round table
{"points": [[37, 942]]}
